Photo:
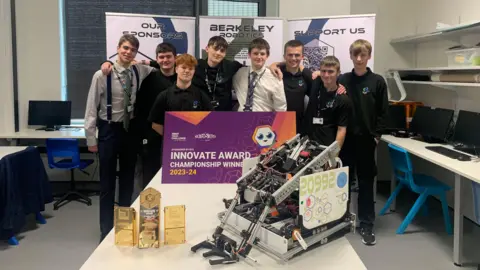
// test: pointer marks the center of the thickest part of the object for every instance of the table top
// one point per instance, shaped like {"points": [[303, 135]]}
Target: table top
{"points": [[203, 202], [467, 169], [77, 133], [7, 150]]}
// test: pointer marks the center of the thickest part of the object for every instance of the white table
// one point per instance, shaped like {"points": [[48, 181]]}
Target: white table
{"points": [[78, 133], [466, 169], [203, 202], [7, 150]]}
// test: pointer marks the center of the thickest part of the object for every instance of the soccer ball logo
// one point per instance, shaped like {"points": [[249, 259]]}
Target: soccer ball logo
{"points": [[264, 136]]}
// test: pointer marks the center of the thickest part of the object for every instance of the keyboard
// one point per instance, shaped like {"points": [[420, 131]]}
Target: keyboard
{"points": [[427, 139], [449, 153], [475, 151]]}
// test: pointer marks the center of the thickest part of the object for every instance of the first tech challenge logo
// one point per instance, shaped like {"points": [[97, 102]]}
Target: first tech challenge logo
{"points": [[205, 136], [176, 137]]}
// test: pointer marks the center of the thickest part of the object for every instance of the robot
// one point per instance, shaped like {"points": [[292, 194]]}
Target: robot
{"points": [[284, 206]]}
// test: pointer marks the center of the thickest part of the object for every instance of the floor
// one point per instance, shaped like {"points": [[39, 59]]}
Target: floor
{"points": [[71, 234]]}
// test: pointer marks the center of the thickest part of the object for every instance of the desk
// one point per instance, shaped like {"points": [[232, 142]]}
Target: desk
{"points": [[467, 169], [203, 202], [7, 150], [78, 133]]}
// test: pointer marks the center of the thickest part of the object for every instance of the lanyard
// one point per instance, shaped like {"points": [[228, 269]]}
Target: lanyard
{"points": [[124, 83], [328, 105], [208, 84]]}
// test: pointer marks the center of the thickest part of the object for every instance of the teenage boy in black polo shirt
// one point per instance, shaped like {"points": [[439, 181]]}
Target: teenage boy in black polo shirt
{"points": [[183, 96], [214, 75], [368, 92], [326, 117], [156, 82], [297, 81]]}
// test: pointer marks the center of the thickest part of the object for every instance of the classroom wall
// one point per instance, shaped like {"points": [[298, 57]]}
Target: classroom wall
{"points": [[272, 7], [7, 124], [38, 47]]}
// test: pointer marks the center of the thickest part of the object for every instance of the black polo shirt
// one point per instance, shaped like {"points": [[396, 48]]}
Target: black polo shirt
{"points": [[176, 99], [326, 111], [152, 86], [220, 91], [220, 79], [296, 87]]}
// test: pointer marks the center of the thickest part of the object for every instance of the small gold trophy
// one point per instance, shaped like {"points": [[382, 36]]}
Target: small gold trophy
{"points": [[149, 236], [125, 226], [174, 229]]}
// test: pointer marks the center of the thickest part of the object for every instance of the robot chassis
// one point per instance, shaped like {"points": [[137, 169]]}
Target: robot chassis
{"points": [[264, 212]]}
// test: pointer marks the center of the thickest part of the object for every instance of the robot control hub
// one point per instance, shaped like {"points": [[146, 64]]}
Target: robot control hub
{"points": [[295, 199]]}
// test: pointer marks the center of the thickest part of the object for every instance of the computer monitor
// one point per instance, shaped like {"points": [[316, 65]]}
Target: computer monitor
{"points": [[467, 128], [431, 123], [397, 117], [49, 114]]}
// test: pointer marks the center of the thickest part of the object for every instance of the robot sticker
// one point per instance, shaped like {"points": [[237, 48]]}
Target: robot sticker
{"points": [[264, 136], [323, 197]]}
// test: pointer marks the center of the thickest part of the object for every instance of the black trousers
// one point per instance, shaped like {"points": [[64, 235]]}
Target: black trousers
{"points": [[114, 142], [151, 157], [358, 153]]}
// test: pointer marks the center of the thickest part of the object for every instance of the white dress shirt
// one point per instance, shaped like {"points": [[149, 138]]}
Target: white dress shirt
{"points": [[268, 94], [97, 98]]}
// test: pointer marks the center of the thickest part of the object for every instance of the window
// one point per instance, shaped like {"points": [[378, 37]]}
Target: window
{"points": [[233, 8], [84, 39]]}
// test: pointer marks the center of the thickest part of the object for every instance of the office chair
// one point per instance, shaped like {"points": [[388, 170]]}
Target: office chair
{"points": [[424, 185], [68, 150]]}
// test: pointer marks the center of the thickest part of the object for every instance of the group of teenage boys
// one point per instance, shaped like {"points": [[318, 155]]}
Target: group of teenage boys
{"points": [[128, 101]]}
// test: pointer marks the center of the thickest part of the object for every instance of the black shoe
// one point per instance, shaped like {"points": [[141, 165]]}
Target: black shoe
{"points": [[368, 237]]}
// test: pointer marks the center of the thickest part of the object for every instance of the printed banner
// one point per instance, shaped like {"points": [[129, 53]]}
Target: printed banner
{"points": [[239, 32], [331, 36], [323, 197], [209, 147], [150, 31]]}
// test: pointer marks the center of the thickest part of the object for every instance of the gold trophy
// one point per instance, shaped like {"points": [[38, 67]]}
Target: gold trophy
{"points": [[174, 229], [149, 236], [125, 226]]}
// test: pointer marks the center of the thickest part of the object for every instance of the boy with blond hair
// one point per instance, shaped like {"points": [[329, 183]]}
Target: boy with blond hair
{"points": [[368, 93]]}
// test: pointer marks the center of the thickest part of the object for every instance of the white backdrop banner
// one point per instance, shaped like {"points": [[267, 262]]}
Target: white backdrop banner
{"points": [[150, 31], [239, 32], [332, 36]]}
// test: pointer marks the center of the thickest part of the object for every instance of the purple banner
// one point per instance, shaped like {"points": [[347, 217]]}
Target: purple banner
{"points": [[209, 147]]}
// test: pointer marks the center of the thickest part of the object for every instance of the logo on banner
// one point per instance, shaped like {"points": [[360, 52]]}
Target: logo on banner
{"points": [[205, 137], [176, 137], [264, 136]]}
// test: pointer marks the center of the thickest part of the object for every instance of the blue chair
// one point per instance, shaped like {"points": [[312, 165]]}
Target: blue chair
{"points": [[424, 185], [68, 151]]}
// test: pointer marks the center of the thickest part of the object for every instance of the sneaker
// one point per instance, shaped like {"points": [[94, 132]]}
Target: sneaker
{"points": [[368, 237]]}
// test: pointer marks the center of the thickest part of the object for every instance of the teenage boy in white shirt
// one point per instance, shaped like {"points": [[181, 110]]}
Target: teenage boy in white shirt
{"points": [[256, 87]]}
